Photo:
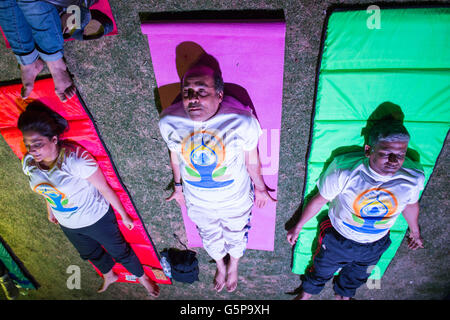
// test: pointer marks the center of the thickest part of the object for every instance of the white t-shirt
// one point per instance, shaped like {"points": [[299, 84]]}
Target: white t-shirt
{"points": [[364, 204], [74, 201], [211, 153]]}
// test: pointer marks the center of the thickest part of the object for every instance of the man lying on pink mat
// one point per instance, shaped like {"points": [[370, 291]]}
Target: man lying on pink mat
{"points": [[214, 159]]}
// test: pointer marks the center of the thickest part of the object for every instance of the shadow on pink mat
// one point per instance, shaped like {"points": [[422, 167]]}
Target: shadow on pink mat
{"points": [[189, 53]]}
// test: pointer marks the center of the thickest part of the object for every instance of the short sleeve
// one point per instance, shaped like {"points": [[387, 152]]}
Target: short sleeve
{"points": [[82, 164], [415, 193], [252, 134], [26, 164], [329, 182], [168, 133]]}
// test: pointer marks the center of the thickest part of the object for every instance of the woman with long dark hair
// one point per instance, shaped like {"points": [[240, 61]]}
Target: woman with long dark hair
{"points": [[77, 194]]}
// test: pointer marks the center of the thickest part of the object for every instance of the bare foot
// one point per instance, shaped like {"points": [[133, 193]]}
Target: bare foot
{"points": [[108, 279], [232, 274], [303, 296], [64, 87], [150, 285], [339, 297], [219, 278], [29, 73]]}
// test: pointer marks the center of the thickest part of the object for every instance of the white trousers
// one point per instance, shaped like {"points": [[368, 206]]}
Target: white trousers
{"points": [[223, 230]]}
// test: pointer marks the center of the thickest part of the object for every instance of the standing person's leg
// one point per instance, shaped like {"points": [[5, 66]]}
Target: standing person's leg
{"points": [[355, 274], [45, 24], [20, 36], [18, 32], [210, 231], [106, 231]]}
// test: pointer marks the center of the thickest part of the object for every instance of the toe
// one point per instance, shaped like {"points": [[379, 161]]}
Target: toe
{"points": [[219, 286], [61, 96], [25, 92], [232, 286], [155, 291], [70, 92]]}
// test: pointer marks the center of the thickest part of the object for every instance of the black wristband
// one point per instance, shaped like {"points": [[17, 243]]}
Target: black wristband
{"points": [[178, 184]]}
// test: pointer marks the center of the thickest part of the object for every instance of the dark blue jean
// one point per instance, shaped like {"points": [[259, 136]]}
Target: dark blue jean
{"points": [[33, 29], [102, 243], [353, 257]]}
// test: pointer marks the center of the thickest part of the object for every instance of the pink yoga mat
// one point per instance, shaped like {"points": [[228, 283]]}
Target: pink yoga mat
{"points": [[101, 5], [251, 58]]}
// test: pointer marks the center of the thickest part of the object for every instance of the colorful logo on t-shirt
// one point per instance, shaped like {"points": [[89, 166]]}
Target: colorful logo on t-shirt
{"points": [[205, 154], [373, 208], [55, 198]]}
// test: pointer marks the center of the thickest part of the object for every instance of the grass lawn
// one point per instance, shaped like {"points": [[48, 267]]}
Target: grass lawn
{"points": [[115, 78]]}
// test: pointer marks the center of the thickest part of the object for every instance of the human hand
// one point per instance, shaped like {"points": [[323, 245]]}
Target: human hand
{"points": [[178, 196], [127, 221], [52, 219], [292, 234], [415, 241], [262, 197]]}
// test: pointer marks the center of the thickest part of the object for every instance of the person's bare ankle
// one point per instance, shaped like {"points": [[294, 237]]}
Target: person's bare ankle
{"points": [[232, 274], [220, 276], [150, 285], [303, 296], [64, 87], [108, 279], [339, 297], [28, 74]]}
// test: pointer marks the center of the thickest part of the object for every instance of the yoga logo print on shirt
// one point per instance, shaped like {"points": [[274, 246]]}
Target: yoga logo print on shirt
{"points": [[373, 208], [56, 198], [205, 153]]}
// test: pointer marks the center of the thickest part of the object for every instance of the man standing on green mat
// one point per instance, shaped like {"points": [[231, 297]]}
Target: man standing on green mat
{"points": [[366, 193]]}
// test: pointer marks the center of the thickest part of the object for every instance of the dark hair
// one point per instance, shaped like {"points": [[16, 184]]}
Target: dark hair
{"points": [[390, 130], [209, 61], [218, 82], [41, 119], [219, 85]]}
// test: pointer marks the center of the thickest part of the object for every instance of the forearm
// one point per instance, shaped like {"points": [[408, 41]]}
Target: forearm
{"points": [[311, 209], [256, 177], [177, 193], [98, 180], [49, 209], [253, 165], [411, 215], [111, 196], [175, 165]]}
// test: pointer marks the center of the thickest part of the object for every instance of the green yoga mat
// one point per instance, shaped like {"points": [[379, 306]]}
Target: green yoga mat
{"points": [[15, 268], [395, 63]]}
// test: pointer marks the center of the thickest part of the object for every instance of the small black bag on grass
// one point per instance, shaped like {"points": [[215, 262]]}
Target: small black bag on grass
{"points": [[183, 263]]}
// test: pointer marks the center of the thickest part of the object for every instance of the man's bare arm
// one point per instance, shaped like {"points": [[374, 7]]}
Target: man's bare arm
{"points": [[177, 193], [253, 165], [411, 215], [312, 208]]}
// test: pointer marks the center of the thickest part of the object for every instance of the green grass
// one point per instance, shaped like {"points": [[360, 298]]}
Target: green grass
{"points": [[115, 78]]}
